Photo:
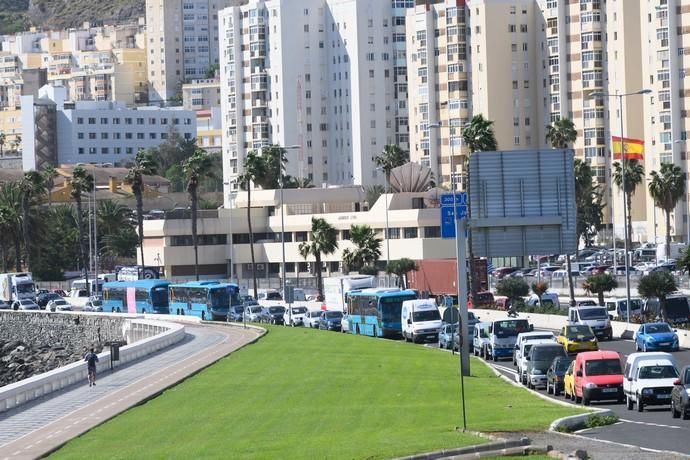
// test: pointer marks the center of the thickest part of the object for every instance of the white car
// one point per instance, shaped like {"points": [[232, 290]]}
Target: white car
{"points": [[345, 323], [58, 305], [253, 312], [525, 336], [25, 304], [93, 305], [294, 316], [311, 319], [525, 348], [547, 298]]}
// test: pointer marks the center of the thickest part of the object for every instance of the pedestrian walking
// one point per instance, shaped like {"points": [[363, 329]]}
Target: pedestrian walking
{"points": [[91, 358]]}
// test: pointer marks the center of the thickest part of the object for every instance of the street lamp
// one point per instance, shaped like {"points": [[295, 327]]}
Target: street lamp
{"points": [[620, 96]]}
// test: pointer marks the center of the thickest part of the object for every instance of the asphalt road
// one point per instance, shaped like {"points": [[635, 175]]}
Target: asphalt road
{"points": [[652, 429]]}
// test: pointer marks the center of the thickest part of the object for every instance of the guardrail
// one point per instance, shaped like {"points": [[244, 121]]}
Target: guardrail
{"points": [[555, 322], [145, 337]]}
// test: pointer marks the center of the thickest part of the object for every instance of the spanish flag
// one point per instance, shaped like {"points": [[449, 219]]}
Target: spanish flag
{"points": [[634, 148]]}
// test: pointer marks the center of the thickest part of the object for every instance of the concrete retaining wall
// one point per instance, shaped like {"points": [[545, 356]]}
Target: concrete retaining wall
{"points": [[144, 336], [620, 329]]}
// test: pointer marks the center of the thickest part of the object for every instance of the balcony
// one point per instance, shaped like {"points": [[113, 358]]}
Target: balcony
{"points": [[258, 85]]}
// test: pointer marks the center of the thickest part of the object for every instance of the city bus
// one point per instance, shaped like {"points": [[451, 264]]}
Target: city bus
{"points": [[376, 311], [142, 296], [206, 299]]}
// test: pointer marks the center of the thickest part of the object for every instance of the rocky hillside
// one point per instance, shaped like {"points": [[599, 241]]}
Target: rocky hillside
{"points": [[17, 15]]}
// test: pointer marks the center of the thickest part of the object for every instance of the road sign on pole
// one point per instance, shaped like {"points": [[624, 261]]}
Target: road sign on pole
{"points": [[448, 202]]}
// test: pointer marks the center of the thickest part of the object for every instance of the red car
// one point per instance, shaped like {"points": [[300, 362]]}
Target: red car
{"points": [[598, 376]]}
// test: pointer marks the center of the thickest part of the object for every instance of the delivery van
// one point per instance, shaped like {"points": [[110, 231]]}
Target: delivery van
{"points": [[420, 320]]}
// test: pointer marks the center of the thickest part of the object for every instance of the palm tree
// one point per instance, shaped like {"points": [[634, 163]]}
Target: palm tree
{"points": [[144, 165], [561, 133], [32, 186], [323, 241], [479, 135], [400, 268], [513, 288], [195, 168], [658, 284], [367, 248], [296, 182], [274, 159], [667, 188], [391, 157], [634, 174], [3, 140], [254, 168], [11, 202], [49, 176], [113, 217], [539, 289], [82, 181], [599, 284]]}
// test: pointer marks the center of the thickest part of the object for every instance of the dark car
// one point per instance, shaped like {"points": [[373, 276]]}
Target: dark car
{"points": [[330, 320], [555, 374], [272, 315], [236, 313], [680, 395], [43, 298]]}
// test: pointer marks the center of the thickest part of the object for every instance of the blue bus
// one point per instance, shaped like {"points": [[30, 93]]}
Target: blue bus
{"points": [[376, 311], [209, 300], [141, 296]]}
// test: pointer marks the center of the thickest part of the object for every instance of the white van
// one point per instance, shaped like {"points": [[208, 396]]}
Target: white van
{"points": [[618, 310], [648, 379], [420, 320], [524, 350], [525, 336], [595, 317], [547, 299]]}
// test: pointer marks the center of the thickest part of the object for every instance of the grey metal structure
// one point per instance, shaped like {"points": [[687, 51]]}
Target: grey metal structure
{"points": [[522, 203]]}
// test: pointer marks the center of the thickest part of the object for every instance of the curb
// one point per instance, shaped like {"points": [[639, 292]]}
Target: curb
{"points": [[491, 448], [575, 420]]}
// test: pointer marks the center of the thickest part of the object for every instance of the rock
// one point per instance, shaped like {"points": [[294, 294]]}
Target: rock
{"points": [[577, 455]]}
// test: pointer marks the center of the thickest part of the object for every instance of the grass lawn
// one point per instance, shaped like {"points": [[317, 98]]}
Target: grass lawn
{"points": [[301, 393]]}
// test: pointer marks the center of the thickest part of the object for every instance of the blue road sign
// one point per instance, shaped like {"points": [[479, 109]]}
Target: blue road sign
{"points": [[447, 212]]}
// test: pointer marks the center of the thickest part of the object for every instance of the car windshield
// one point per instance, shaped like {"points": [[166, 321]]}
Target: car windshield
{"points": [[593, 313], [510, 328], [603, 367], [635, 304], [97, 303], [276, 310], [314, 314], [547, 353], [579, 333], [657, 328], [426, 315], [333, 314], [299, 310], [273, 296], [528, 347], [658, 372], [255, 309]]}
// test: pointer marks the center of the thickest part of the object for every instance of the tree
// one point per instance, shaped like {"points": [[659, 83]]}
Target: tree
{"points": [[400, 268], [391, 157], [82, 182], [599, 284], [32, 187], [561, 133], [144, 165], [195, 168], [324, 241], [513, 288], [658, 284], [634, 174], [253, 168], [479, 135], [373, 194], [295, 182], [666, 188], [3, 141], [10, 200], [684, 260], [367, 248], [539, 289], [49, 176], [274, 159], [588, 202]]}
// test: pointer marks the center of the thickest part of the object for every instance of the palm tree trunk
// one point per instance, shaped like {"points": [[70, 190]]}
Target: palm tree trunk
{"points": [[600, 298], [194, 198], [4, 248], [668, 234], [82, 250], [26, 207], [319, 281], [662, 309], [140, 221], [251, 238], [629, 223]]}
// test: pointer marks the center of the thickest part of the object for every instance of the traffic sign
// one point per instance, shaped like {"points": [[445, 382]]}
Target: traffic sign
{"points": [[448, 202]]}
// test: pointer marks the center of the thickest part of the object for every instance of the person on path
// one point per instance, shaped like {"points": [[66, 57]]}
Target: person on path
{"points": [[91, 358]]}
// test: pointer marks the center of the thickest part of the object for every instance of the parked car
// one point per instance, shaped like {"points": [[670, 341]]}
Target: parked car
{"points": [[648, 379], [598, 377], [577, 338], [272, 315], [502, 272], [25, 304], [95, 305], [448, 337], [236, 313], [345, 323], [548, 299], [58, 305], [539, 360], [294, 316], [253, 313], [680, 395], [330, 320], [555, 374], [655, 336], [43, 298], [569, 382], [311, 319]]}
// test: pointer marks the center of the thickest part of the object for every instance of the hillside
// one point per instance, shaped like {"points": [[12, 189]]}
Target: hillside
{"points": [[17, 15]]}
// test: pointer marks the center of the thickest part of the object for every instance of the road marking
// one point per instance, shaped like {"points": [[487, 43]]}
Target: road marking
{"points": [[661, 425], [504, 369]]}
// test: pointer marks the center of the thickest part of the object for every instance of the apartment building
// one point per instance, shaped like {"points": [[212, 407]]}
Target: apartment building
{"points": [[182, 43], [201, 94], [326, 77]]}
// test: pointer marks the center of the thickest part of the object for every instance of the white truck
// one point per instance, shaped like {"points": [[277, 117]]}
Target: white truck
{"points": [[676, 250], [335, 289], [648, 379], [595, 317], [78, 295], [17, 286], [420, 320]]}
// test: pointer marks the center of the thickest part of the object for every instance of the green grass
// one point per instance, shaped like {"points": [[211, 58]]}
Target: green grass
{"points": [[301, 393]]}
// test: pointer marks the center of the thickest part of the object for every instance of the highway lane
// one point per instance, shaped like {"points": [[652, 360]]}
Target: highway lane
{"points": [[653, 429]]}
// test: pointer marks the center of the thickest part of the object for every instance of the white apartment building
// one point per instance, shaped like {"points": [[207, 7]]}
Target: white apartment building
{"points": [[326, 76], [58, 131], [182, 43]]}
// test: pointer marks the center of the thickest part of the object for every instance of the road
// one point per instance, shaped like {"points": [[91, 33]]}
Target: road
{"points": [[653, 429]]}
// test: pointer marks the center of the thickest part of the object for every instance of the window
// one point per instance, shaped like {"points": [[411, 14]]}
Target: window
{"points": [[410, 232], [394, 233], [432, 232]]}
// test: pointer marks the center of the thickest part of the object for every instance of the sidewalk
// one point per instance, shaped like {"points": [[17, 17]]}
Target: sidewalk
{"points": [[37, 428]]}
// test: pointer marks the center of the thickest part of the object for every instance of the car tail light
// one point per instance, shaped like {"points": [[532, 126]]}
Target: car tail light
{"points": [[676, 382]]}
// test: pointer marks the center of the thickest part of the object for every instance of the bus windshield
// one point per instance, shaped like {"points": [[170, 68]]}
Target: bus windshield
{"points": [[234, 293], [426, 315], [219, 297], [159, 295], [510, 328]]}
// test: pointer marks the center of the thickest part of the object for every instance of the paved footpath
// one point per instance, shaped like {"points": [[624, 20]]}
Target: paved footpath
{"points": [[36, 428]]}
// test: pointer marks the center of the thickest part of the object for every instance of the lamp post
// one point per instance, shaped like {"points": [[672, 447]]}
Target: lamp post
{"points": [[620, 96]]}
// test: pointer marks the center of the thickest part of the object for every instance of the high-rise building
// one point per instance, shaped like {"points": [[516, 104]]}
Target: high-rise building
{"points": [[182, 43], [325, 76]]}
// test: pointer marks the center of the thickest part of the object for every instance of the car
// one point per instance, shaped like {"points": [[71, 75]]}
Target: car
{"points": [[25, 304], [58, 305], [4, 305], [556, 373], [43, 298], [576, 338], [236, 313], [548, 299], [253, 313], [294, 316], [569, 382], [94, 305], [665, 267], [311, 319], [655, 336], [598, 377], [448, 336], [523, 356], [480, 339], [526, 336], [648, 379], [586, 303], [345, 323], [247, 299], [330, 320], [680, 395], [502, 272], [538, 362], [272, 315], [60, 292]]}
